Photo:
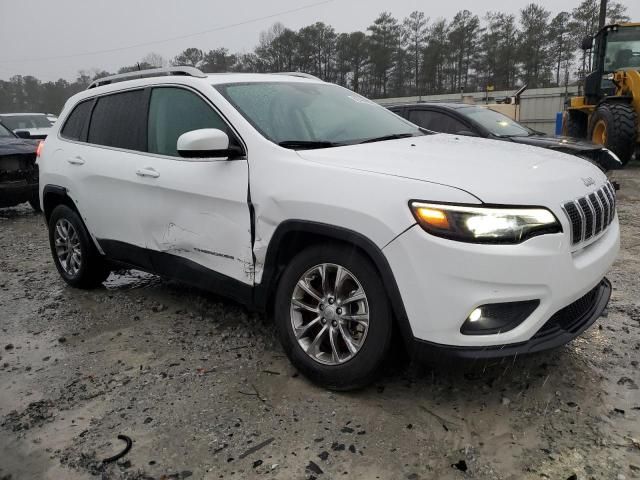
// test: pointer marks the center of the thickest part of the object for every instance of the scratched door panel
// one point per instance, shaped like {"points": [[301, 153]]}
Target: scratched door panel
{"points": [[198, 211]]}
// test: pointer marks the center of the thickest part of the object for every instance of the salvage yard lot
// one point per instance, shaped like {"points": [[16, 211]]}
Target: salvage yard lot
{"points": [[204, 390]]}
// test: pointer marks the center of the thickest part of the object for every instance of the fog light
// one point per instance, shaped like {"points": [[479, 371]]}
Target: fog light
{"points": [[475, 315], [498, 317]]}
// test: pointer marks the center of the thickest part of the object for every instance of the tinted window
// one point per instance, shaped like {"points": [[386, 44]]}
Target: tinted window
{"points": [[74, 126], [119, 120], [174, 111], [436, 121]]}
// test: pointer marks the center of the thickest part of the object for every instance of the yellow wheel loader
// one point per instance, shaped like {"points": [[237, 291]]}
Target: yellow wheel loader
{"points": [[609, 110]]}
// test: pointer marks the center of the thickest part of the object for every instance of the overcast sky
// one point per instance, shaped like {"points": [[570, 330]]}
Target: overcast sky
{"points": [[55, 38]]}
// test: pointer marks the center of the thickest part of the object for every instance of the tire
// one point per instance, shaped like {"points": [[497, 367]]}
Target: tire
{"points": [[337, 316], [86, 270], [576, 124], [617, 121]]}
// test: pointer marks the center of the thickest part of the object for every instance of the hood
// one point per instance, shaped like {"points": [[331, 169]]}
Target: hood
{"points": [[16, 146], [494, 171], [564, 144], [574, 146]]}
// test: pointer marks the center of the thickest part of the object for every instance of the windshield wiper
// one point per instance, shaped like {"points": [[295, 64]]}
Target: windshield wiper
{"points": [[393, 136], [307, 144]]}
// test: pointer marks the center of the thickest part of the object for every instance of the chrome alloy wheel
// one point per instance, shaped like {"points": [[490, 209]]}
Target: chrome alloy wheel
{"points": [[329, 314], [67, 244]]}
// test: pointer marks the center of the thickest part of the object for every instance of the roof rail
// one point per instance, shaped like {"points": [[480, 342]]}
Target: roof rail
{"points": [[154, 72], [298, 74]]}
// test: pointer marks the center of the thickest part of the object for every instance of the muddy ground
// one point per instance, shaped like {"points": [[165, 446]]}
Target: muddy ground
{"points": [[204, 391]]}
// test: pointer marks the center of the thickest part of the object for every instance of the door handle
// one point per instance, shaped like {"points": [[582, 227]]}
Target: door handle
{"points": [[77, 160], [147, 172]]}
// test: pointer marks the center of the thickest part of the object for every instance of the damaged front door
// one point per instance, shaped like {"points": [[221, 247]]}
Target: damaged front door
{"points": [[195, 215]]}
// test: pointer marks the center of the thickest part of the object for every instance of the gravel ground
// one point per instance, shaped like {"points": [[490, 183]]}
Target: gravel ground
{"points": [[204, 391]]}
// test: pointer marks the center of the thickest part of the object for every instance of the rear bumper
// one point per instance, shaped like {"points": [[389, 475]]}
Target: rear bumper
{"points": [[17, 191], [565, 325]]}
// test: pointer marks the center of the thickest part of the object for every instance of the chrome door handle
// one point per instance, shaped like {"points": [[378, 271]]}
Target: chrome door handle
{"points": [[147, 172], [77, 160]]}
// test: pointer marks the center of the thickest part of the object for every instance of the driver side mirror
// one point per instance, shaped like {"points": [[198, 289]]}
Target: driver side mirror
{"points": [[23, 133], [206, 143], [587, 43]]}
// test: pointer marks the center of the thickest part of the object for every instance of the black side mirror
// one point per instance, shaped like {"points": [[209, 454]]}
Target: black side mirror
{"points": [[587, 43], [23, 133], [467, 133]]}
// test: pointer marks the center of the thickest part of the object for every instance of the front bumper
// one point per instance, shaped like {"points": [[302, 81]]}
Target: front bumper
{"points": [[561, 328], [441, 282]]}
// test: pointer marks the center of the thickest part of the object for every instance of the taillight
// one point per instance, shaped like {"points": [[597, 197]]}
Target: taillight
{"points": [[39, 149]]}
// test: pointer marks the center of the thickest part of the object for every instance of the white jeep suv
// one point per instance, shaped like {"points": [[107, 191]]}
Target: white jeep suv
{"points": [[306, 200]]}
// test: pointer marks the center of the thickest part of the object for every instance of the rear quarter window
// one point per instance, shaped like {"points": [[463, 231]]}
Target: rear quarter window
{"points": [[119, 120], [74, 127]]}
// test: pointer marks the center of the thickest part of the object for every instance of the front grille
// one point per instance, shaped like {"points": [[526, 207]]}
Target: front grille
{"points": [[592, 214]]}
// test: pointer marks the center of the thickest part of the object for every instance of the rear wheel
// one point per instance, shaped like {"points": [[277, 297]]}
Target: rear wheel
{"points": [[333, 316], [614, 126], [74, 254]]}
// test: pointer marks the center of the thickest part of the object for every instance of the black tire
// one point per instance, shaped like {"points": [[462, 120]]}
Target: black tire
{"points": [[620, 121], [362, 367], [92, 270], [576, 124]]}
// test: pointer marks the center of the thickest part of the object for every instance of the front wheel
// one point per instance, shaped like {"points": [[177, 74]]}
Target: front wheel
{"points": [[614, 126], [333, 316]]}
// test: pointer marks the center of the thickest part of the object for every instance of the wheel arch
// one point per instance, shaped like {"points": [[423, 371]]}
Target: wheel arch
{"points": [[292, 236], [54, 195]]}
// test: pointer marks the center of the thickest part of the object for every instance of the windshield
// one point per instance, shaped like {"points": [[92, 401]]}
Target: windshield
{"points": [[496, 123], [4, 132], [312, 115], [623, 49], [25, 122]]}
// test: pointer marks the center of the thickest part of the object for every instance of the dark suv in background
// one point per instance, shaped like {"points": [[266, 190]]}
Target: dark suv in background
{"points": [[481, 121], [18, 170]]}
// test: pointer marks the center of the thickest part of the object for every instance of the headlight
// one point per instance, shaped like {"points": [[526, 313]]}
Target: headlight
{"points": [[484, 224]]}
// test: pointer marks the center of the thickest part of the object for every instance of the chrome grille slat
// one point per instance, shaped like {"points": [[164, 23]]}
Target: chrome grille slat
{"points": [[606, 208], [599, 213], [590, 215]]}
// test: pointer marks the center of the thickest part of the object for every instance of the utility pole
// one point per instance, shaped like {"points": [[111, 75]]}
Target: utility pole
{"points": [[603, 14]]}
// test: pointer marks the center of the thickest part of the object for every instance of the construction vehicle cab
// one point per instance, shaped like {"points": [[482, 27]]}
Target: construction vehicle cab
{"points": [[608, 111]]}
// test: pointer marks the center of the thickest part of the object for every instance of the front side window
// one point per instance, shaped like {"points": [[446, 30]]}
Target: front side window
{"points": [[296, 112], [436, 121], [174, 111], [623, 49], [74, 127], [119, 120]]}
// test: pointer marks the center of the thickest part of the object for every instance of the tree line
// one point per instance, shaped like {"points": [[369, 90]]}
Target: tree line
{"points": [[394, 57]]}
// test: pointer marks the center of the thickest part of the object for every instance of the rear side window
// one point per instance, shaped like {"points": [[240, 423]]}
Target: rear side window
{"points": [[119, 120], [74, 127], [436, 121], [174, 111]]}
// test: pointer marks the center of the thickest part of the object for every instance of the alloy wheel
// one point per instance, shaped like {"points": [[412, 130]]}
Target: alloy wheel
{"points": [[67, 245], [329, 314]]}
